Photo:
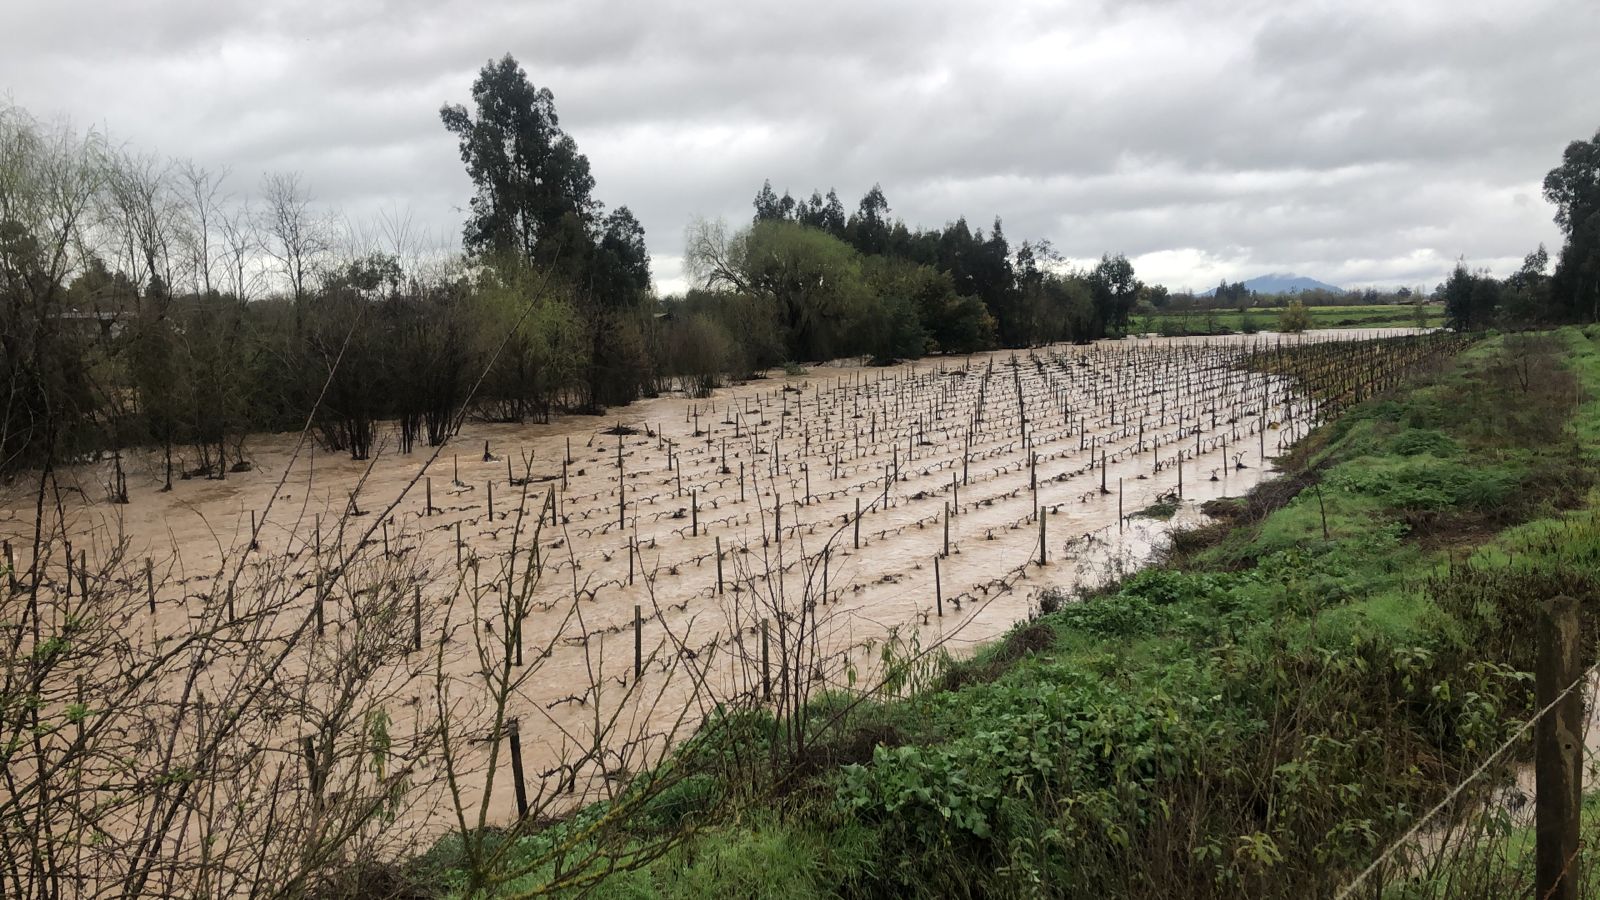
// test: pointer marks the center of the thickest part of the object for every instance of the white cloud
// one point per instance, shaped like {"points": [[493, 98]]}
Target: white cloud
{"points": [[1356, 142]]}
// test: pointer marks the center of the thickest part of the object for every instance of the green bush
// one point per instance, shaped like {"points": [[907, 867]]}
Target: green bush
{"points": [[680, 801], [1115, 616], [1417, 442], [1424, 483], [1164, 587]]}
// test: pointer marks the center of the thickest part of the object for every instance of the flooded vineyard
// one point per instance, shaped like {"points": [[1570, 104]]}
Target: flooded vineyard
{"points": [[527, 617]]}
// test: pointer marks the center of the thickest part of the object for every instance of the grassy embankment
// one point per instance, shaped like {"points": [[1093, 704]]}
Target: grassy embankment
{"points": [[1230, 321], [1255, 717]]}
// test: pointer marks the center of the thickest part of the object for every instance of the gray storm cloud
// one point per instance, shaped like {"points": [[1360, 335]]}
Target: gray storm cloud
{"points": [[1360, 143]]}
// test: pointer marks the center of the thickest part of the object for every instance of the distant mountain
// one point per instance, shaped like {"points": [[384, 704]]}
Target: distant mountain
{"points": [[1284, 283]]}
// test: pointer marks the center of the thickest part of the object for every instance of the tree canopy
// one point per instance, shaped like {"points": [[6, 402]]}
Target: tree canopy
{"points": [[1574, 188], [533, 205], [527, 172], [951, 289]]}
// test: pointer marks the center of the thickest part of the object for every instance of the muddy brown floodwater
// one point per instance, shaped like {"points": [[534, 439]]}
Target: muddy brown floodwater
{"points": [[965, 453]]}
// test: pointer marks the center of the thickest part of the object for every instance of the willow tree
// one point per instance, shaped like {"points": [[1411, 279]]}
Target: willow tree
{"points": [[814, 280], [535, 337], [49, 180]]}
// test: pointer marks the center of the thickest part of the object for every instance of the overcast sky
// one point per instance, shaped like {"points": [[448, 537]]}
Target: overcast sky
{"points": [[1356, 142]]}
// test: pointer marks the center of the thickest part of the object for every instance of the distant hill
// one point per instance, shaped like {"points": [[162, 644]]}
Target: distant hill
{"points": [[1283, 283]]}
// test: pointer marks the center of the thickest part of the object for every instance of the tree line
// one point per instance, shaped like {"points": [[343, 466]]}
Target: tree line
{"points": [[1534, 294], [866, 284], [146, 304]]}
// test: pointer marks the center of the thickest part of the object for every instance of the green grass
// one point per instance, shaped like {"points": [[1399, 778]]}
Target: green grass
{"points": [[1254, 718], [1229, 321]]}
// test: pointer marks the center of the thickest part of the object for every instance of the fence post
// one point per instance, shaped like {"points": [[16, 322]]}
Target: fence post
{"points": [[766, 662], [514, 738], [416, 620], [1558, 753]]}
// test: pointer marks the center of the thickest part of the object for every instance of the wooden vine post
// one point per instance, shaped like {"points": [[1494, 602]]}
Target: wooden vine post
{"points": [[514, 738], [638, 642]]}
